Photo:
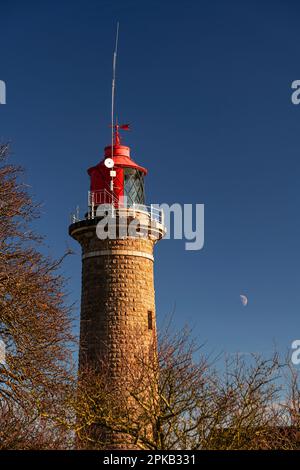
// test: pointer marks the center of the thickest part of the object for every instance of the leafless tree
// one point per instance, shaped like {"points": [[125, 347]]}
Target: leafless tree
{"points": [[35, 323], [184, 401]]}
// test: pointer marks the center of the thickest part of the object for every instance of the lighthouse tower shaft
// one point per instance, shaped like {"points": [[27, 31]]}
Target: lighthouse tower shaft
{"points": [[117, 324]]}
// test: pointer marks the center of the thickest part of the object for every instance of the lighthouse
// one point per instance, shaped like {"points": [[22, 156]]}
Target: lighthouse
{"points": [[118, 318]]}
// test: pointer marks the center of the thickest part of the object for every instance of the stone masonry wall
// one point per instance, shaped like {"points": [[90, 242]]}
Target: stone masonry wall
{"points": [[118, 300]]}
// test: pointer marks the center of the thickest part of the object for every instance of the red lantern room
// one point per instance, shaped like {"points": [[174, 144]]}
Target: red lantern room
{"points": [[117, 179]]}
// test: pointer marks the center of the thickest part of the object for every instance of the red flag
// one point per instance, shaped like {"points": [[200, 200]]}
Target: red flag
{"points": [[125, 127]]}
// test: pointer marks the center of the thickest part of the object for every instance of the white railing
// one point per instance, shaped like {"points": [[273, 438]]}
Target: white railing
{"points": [[151, 211], [104, 197], [95, 198]]}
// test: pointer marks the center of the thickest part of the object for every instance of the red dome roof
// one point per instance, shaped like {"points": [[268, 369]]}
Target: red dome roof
{"points": [[122, 158]]}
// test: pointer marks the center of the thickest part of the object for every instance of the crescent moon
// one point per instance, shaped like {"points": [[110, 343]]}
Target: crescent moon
{"points": [[244, 300]]}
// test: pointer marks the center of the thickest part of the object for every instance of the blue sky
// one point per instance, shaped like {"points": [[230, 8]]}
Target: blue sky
{"points": [[206, 86]]}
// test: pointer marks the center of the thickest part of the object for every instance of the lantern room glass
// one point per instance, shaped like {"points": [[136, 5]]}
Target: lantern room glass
{"points": [[134, 186]]}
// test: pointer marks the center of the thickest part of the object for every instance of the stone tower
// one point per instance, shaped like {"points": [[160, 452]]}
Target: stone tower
{"points": [[118, 300]]}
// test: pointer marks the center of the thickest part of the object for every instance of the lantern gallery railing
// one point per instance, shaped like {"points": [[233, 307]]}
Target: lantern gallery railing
{"points": [[95, 198], [117, 207], [151, 211]]}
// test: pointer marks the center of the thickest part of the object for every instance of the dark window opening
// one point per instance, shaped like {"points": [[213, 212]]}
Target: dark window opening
{"points": [[150, 320]]}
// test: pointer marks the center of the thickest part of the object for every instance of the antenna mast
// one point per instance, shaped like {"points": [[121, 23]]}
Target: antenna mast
{"points": [[113, 99]]}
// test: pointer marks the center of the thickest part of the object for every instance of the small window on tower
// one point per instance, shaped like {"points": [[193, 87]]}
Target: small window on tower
{"points": [[150, 320]]}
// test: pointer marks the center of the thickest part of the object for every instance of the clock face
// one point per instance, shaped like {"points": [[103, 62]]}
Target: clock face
{"points": [[109, 163]]}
